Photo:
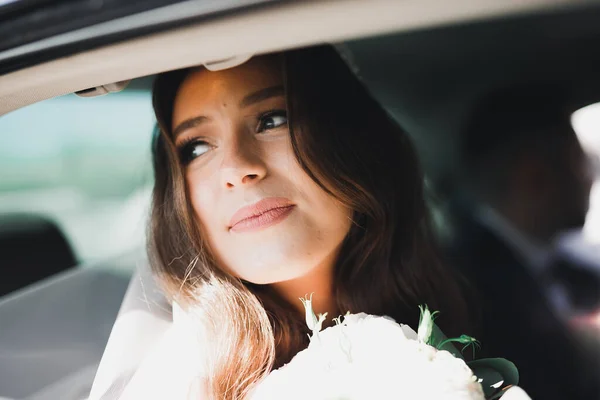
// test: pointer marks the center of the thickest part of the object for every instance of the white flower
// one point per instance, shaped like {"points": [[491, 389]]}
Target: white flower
{"points": [[515, 393], [368, 357], [314, 323], [425, 324]]}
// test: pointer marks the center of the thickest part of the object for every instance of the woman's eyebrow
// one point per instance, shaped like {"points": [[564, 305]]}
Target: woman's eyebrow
{"points": [[187, 124], [261, 95], [250, 99]]}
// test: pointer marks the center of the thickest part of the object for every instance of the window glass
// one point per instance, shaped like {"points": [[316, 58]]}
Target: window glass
{"points": [[85, 164]]}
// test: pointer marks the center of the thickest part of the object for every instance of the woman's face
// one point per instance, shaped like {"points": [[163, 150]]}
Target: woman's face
{"points": [[265, 219]]}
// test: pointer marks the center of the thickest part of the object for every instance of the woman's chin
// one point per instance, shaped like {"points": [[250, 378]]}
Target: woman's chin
{"points": [[266, 275]]}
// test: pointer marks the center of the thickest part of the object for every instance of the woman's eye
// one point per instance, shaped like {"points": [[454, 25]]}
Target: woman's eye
{"points": [[189, 152], [271, 120]]}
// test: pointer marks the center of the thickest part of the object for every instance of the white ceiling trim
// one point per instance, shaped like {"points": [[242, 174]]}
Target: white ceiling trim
{"points": [[274, 28]]}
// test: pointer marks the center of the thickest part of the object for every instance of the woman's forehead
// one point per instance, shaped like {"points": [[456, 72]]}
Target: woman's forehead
{"points": [[253, 74], [202, 86]]}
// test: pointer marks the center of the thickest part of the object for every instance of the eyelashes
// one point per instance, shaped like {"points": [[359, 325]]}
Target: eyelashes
{"points": [[194, 147], [271, 120], [191, 149]]}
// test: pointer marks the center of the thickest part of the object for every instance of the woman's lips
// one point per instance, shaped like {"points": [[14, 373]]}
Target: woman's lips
{"points": [[260, 215]]}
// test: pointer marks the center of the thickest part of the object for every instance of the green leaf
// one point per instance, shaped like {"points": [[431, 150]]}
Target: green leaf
{"points": [[492, 371], [464, 339], [440, 341], [468, 341]]}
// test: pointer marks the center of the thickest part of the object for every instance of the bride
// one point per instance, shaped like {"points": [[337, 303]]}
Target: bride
{"points": [[276, 178]]}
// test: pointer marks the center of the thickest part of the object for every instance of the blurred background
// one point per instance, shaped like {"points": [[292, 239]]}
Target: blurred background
{"points": [[586, 122], [85, 165]]}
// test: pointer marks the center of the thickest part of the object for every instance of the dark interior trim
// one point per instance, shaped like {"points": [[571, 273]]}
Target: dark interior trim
{"points": [[26, 25]]}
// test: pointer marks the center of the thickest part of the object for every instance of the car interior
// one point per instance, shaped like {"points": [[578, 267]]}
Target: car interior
{"points": [[79, 309]]}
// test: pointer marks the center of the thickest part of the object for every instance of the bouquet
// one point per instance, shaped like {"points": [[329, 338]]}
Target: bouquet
{"points": [[369, 357]]}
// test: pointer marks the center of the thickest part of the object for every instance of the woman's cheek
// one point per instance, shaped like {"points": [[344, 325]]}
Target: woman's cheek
{"points": [[202, 197], [281, 157]]}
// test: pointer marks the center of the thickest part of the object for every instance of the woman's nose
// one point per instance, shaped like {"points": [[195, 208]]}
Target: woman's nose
{"points": [[242, 164]]}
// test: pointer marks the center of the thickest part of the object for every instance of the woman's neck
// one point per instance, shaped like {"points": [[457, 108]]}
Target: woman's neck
{"points": [[318, 281]]}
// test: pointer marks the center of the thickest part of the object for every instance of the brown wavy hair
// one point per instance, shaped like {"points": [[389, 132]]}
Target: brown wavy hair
{"points": [[347, 143]]}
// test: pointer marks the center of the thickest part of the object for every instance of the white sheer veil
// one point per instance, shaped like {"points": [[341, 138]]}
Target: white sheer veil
{"points": [[153, 351]]}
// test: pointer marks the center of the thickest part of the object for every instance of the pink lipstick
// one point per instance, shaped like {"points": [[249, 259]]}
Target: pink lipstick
{"points": [[260, 215]]}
